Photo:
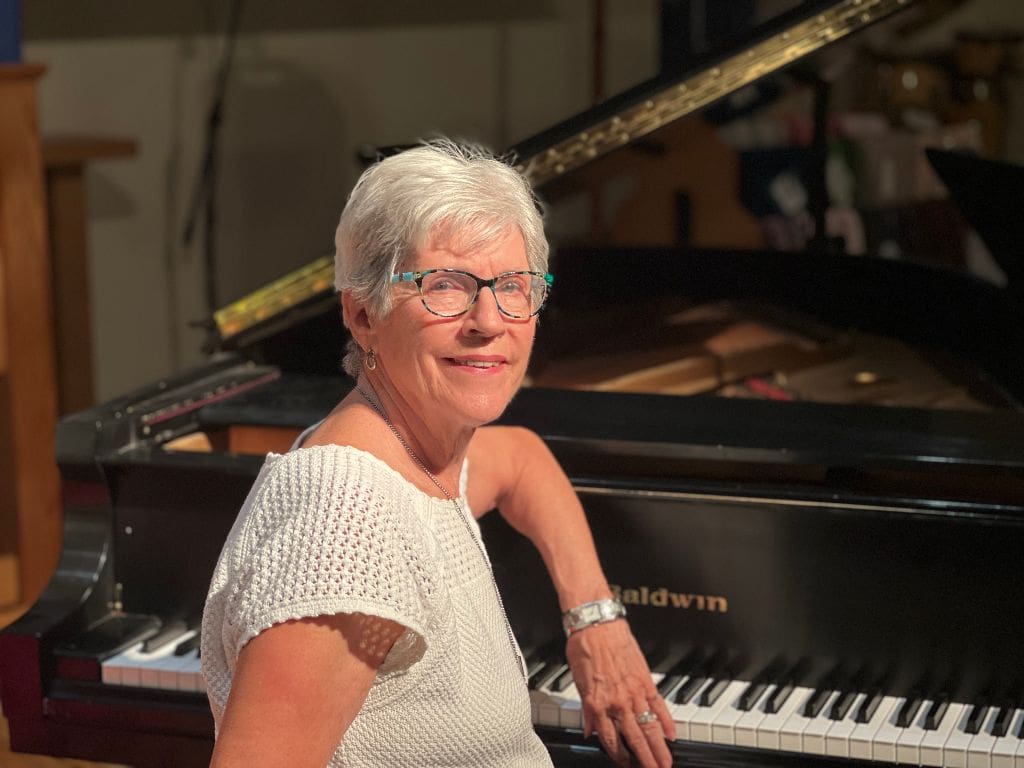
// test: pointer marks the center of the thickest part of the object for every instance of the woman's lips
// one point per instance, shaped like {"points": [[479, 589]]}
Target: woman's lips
{"points": [[482, 363]]}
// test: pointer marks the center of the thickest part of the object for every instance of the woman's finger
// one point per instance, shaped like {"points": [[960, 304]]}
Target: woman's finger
{"points": [[608, 735], [638, 738], [668, 724]]}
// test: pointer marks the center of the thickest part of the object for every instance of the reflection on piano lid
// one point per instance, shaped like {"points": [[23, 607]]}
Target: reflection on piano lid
{"points": [[813, 583]]}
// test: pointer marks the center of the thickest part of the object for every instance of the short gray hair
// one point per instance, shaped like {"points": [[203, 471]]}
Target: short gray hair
{"points": [[433, 191]]}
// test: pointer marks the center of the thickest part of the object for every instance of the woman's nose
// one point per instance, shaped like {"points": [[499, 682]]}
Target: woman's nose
{"points": [[484, 317]]}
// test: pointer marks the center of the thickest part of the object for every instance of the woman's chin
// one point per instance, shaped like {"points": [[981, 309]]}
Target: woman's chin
{"points": [[479, 410]]}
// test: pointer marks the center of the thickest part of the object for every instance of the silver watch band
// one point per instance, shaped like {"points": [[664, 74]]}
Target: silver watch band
{"points": [[594, 612]]}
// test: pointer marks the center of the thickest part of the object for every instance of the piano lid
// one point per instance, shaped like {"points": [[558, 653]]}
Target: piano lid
{"points": [[618, 122], [643, 109]]}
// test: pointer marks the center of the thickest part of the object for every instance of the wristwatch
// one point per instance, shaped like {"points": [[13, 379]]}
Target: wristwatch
{"points": [[588, 614]]}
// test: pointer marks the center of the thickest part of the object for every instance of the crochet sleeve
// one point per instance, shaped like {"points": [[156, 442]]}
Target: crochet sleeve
{"points": [[328, 533]]}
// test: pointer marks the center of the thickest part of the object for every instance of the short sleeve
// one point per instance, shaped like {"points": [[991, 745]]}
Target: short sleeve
{"points": [[329, 532]]}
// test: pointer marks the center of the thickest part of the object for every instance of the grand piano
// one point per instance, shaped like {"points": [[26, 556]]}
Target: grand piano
{"points": [[804, 472]]}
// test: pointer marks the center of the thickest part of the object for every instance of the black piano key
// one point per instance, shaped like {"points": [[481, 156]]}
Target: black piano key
{"points": [[562, 682], [545, 663], [668, 683], [936, 713], [187, 646], [976, 718], [689, 689], [869, 706], [713, 691], [1002, 721], [534, 664], [753, 692], [817, 702], [168, 632], [781, 693], [908, 710], [752, 695], [1020, 731], [699, 677], [678, 672], [778, 697], [842, 705], [550, 673]]}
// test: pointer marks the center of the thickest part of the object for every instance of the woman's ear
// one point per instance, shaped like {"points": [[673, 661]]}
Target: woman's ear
{"points": [[357, 319]]}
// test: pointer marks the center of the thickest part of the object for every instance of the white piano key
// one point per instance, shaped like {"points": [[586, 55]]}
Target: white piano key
{"points": [[933, 741], [547, 710], [702, 721], [683, 714], [159, 660], [1006, 746], [723, 729], [838, 738], [979, 752], [837, 741], [123, 669], [818, 727], [110, 669], [1019, 757], [908, 745], [883, 743], [791, 734], [747, 726], [863, 735], [570, 712], [770, 729], [954, 751]]}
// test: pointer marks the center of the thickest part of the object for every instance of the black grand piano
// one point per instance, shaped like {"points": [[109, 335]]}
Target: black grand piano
{"points": [[804, 472]]}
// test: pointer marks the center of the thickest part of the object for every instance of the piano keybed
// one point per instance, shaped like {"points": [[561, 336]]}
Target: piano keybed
{"points": [[832, 721], [773, 711]]}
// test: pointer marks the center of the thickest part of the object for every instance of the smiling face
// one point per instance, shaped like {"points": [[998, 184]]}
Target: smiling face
{"points": [[458, 371]]}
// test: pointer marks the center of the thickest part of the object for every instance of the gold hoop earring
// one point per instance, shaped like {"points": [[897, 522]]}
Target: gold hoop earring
{"points": [[370, 360]]}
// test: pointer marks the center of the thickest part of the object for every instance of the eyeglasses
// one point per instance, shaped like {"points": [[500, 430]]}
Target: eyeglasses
{"points": [[451, 292]]}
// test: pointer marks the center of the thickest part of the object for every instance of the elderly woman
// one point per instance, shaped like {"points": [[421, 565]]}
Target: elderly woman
{"points": [[353, 619]]}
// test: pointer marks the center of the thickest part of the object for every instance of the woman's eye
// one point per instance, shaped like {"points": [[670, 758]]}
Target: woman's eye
{"points": [[441, 285], [512, 285]]}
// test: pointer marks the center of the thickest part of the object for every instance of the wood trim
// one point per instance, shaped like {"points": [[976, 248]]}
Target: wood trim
{"points": [[31, 406]]}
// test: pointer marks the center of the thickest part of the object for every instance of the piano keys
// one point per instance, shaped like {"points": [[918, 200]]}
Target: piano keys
{"points": [[791, 731]]}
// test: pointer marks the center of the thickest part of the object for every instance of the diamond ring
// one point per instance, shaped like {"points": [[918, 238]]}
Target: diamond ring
{"points": [[646, 717]]}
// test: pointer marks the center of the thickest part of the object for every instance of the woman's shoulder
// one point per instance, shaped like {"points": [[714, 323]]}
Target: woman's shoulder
{"points": [[328, 472]]}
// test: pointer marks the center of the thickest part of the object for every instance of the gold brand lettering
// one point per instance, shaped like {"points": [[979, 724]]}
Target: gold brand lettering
{"points": [[663, 597]]}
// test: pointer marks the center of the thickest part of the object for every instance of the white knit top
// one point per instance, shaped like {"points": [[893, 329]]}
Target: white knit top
{"points": [[332, 529]]}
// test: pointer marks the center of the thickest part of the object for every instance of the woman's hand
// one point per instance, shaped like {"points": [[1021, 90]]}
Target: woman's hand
{"points": [[615, 684]]}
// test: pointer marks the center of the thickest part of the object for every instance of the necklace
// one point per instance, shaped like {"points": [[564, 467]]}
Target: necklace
{"points": [[375, 404]]}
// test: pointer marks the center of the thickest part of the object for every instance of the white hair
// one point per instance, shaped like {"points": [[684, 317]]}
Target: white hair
{"points": [[427, 194]]}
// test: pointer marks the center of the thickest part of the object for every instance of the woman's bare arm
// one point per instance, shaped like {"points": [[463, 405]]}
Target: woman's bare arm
{"points": [[512, 469], [297, 687]]}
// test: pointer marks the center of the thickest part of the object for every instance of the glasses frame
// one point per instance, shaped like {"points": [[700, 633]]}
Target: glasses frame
{"points": [[417, 278]]}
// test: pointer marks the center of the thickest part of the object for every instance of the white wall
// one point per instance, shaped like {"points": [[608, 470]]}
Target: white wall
{"points": [[298, 104]]}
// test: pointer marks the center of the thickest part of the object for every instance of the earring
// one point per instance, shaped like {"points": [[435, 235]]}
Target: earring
{"points": [[370, 360]]}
